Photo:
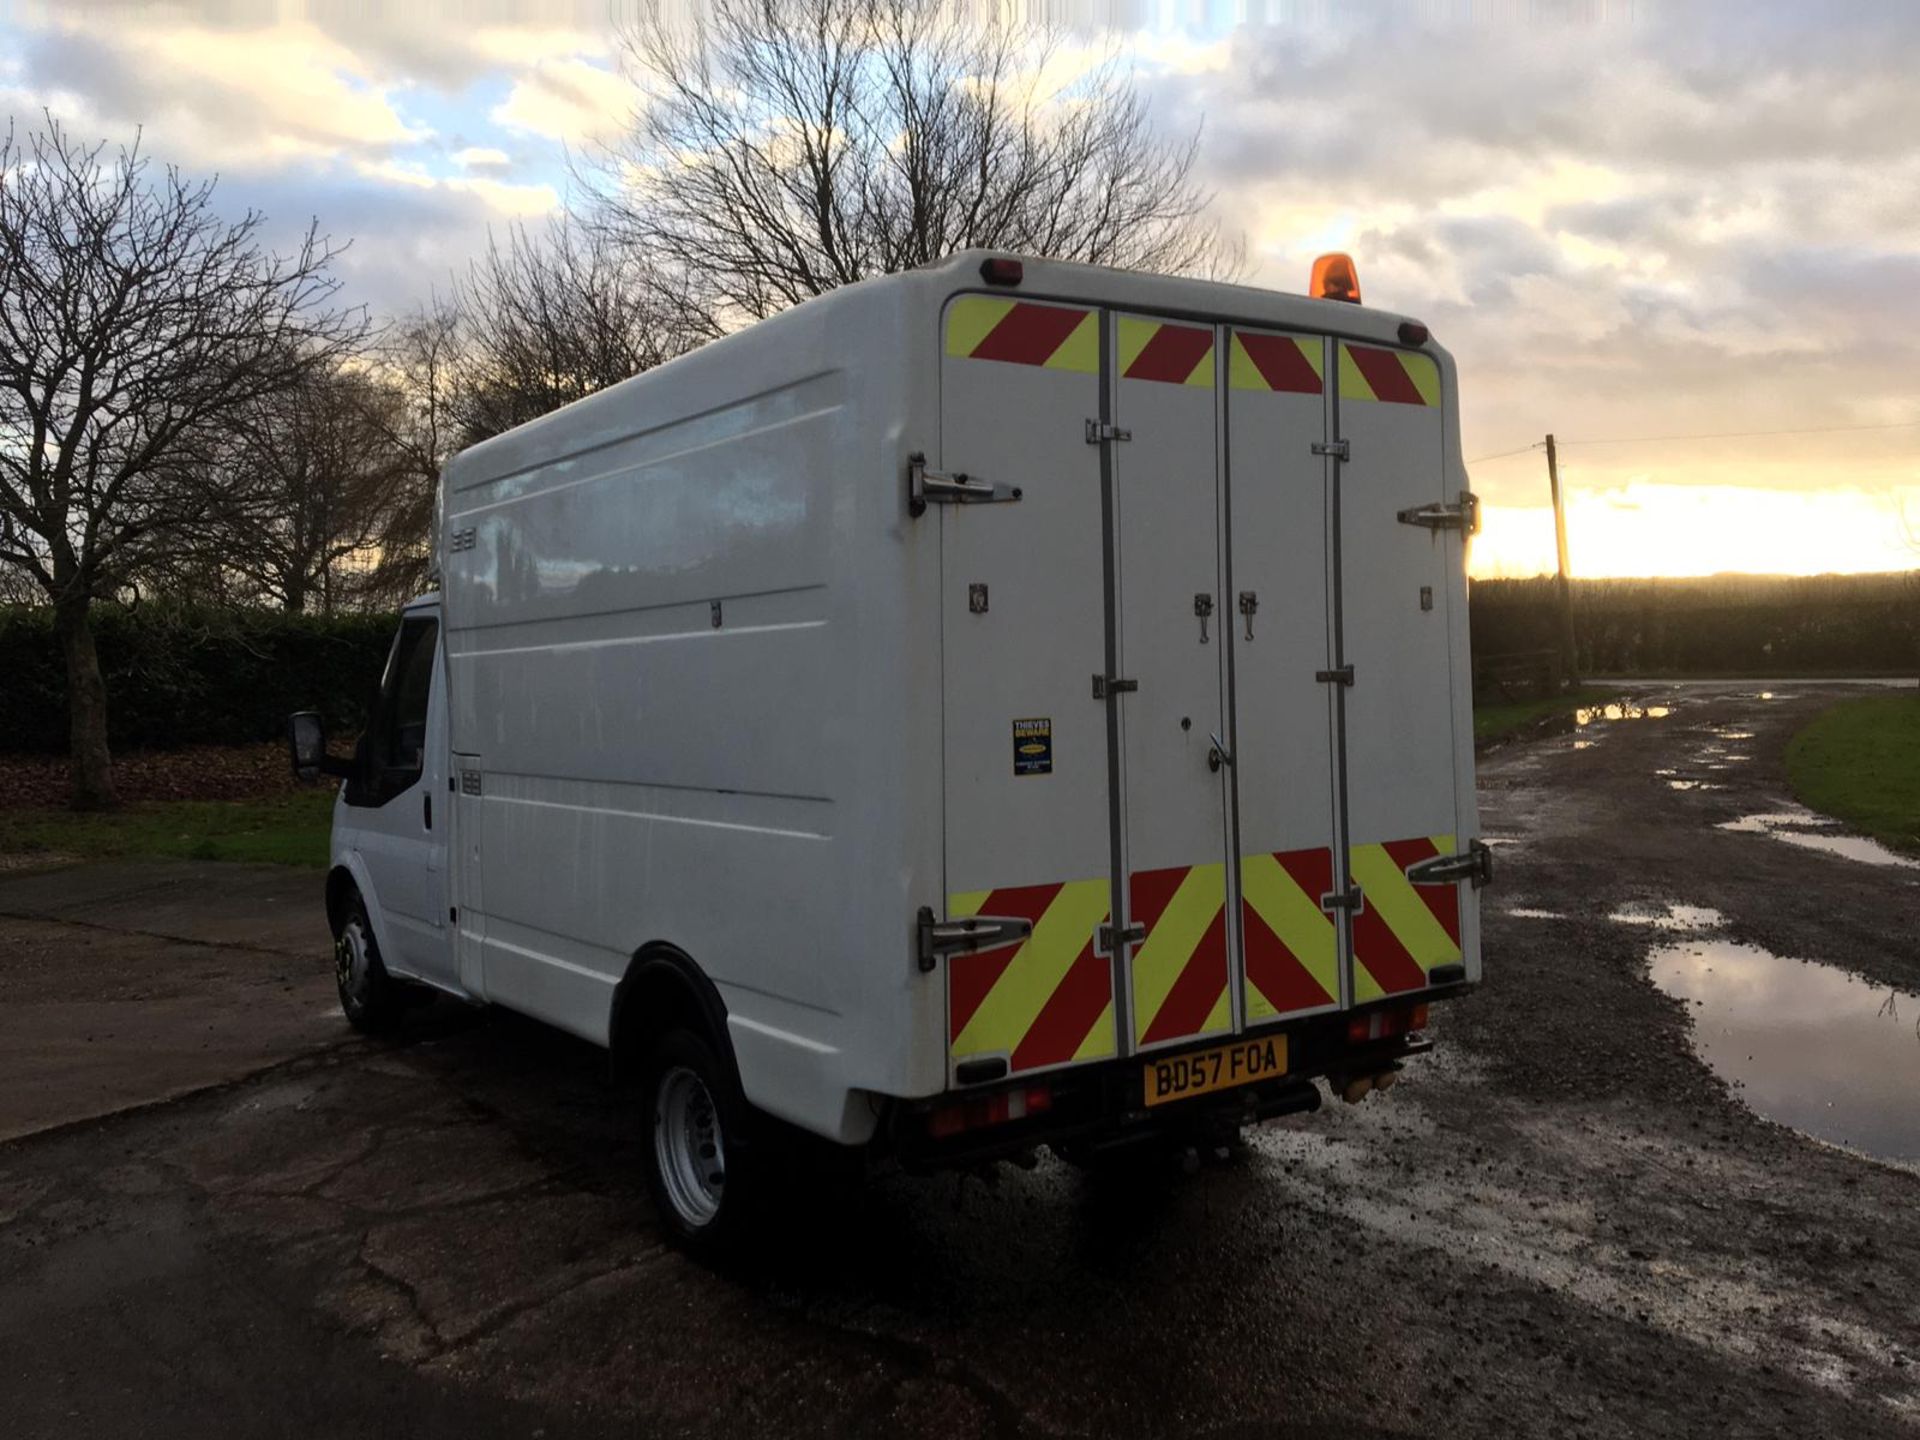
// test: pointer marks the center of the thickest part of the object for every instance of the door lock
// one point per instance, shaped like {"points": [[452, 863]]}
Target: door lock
{"points": [[1249, 602], [1203, 607], [1218, 755]]}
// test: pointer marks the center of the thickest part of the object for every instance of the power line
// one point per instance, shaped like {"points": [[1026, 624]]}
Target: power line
{"points": [[1739, 434], [1504, 454], [1704, 435]]}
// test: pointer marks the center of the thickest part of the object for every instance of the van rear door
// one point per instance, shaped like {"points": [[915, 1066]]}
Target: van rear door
{"points": [[1402, 611], [1200, 680], [1027, 766]]}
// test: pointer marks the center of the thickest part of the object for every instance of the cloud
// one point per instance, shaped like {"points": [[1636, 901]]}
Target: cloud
{"points": [[256, 97], [1704, 218], [567, 98], [481, 157]]}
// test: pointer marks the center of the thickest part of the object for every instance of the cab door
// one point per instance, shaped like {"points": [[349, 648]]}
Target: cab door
{"points": [[398, 806]]}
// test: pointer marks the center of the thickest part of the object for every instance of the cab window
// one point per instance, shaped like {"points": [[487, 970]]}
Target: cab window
{"points": [[393, 751]]}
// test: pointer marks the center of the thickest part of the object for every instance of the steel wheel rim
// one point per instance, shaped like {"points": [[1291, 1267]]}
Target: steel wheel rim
{"points": [[688, 1148], [350, 962]]}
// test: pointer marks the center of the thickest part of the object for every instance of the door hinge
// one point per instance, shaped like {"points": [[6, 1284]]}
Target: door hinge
{"points": [[1340, 675], [937, 487], [1109, 685], [1475, 864], [962, 937], [1463, 516], [1133, 934], [1099, 432], [1338, 449], [1351, 900]]}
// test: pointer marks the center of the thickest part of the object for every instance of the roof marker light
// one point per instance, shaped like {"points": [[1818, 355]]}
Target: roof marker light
{"points": [[1001, 271], [1334, 278], [1412, 332]]}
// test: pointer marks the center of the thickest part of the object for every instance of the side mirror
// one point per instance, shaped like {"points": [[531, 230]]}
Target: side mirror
{"points": [[307, 743]]}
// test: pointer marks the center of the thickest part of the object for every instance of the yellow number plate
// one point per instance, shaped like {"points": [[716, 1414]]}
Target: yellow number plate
{"points": [[1244, 1061]]}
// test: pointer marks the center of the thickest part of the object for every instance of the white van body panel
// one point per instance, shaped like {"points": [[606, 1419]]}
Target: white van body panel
{"points": [[700, 665]]}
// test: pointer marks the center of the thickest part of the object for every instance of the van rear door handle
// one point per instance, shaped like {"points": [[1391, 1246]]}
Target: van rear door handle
{"points": [[426, 809]]}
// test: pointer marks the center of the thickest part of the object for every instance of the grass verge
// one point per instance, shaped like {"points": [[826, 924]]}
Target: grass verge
{"points": [[1501, 721], [1860, 762], [279, 830]]}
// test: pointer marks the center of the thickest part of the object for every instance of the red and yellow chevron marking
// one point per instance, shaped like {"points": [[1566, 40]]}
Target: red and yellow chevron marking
{"points": [[1173, 354], [1057, 337], [1275, 362], [1400, 377], [1046, 1001], [1180, 969], [1403, 930], [1292, 949]]}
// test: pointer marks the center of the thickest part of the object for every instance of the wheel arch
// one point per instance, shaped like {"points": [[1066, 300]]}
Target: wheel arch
{"points": [[664, 986], [347, 880]]}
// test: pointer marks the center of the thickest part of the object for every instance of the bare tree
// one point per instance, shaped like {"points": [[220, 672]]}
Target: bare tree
{"points": [[787, 147], [421, 358], [552, 316], [133, 321], [315, 478]]}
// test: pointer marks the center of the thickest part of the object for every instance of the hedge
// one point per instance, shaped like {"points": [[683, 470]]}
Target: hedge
{"points": [[1718, 625], [179, 676]]}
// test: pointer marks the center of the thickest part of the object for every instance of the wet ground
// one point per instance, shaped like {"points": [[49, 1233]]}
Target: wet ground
{"points": [[1565, 1222]]}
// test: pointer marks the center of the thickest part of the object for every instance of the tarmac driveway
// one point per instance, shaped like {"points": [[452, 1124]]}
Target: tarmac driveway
{"points": [[1561, 1223]]}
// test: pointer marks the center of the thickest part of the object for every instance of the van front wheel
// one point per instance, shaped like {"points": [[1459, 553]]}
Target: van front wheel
{"points": [[700, 1161], [369, 997]]}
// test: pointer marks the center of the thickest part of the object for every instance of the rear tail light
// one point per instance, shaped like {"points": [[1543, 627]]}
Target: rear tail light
{"points": [[982, 1112], [1385, 1024], [1002, 271]]}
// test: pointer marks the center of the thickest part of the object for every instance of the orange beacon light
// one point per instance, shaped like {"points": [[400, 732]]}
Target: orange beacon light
{"points": [[1334, 278]]}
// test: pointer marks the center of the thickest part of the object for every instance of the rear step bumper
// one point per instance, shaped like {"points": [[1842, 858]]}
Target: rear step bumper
{"points": [[1096, 1107]]}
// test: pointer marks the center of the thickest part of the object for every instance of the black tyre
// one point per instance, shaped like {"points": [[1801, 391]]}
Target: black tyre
{"points": [[702, 1163], [370, 998]]}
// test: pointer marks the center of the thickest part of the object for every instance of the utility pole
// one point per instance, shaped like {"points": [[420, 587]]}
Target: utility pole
{"points": [[1567, 655]]}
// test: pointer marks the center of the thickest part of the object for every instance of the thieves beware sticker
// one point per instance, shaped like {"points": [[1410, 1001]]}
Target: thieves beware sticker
{"points": [[1033, 747]]}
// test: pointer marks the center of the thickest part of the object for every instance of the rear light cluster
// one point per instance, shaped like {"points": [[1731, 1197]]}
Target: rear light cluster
{"points": [[1385, 1024], [983, 1111]]}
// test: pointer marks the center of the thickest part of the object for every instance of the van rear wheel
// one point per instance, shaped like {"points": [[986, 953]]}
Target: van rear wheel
{"points": [[700, 1161]]}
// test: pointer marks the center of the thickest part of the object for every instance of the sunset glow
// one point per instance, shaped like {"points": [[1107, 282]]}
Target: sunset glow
{"points": [[1622, 220]]}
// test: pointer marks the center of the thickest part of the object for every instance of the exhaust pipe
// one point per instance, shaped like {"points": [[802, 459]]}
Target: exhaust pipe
{"points": [[1358, 1087]]}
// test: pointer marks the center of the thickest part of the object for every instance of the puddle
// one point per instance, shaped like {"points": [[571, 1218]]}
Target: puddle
{"points": [[1670, 917], [1803, 827], [1620, 710], [1694, 785], [1527, 912], [1810, 1046], [1734, 734]]}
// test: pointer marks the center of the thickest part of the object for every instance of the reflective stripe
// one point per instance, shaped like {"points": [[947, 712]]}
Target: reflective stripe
{"points": [[1172, 354], [1291, 946], [1057, 337], [1180, 970], [1398, 936], [1275, 362], [1400, 377], [1022, 981]]}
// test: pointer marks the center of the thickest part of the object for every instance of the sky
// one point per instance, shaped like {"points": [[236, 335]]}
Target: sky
{"points": [[1629, 222]]}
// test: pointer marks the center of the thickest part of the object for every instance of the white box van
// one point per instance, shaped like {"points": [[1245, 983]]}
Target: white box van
{"points": [[1004, 703]]}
